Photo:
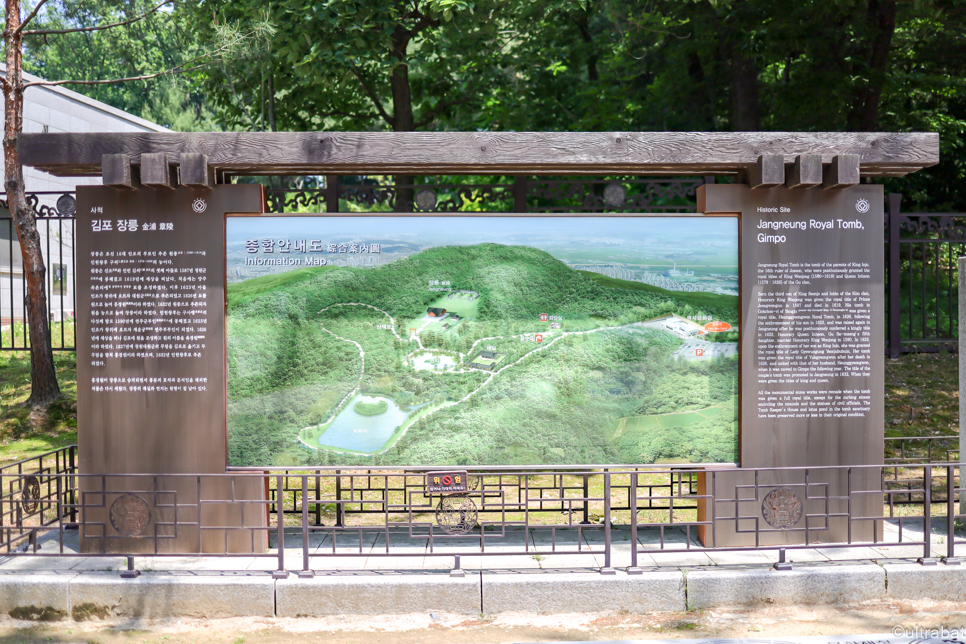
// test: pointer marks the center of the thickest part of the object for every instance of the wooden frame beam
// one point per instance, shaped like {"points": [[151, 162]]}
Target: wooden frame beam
{"points": [[652, 153]]}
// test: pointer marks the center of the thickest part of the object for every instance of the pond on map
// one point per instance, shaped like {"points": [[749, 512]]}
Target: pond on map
{"points": [[351, 430], [432, 362]]}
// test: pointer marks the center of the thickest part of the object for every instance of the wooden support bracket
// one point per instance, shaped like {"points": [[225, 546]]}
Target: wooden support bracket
{"points": [[842, 172], [195, 171], [116, 172], [155, 171], [768, 172], [806, 172]]}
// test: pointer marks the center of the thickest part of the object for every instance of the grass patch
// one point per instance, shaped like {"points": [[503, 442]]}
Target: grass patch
{"points": [[922, 399], [23, 431]]}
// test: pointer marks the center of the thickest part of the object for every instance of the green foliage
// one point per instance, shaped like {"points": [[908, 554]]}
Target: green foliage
{"points": [[158, 42]]}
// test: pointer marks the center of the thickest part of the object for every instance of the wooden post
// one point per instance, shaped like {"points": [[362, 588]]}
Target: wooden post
{"points": [[155, 171], [520, 193], [768, 172], [806, 171], [194, 171], [842, 172], [116, 172], [332, 193]]}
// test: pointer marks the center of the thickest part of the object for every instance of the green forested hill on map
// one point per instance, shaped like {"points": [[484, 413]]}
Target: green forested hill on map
{"points": [[305, 345]]}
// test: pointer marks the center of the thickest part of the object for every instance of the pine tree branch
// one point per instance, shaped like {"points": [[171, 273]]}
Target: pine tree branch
{"points": [[180, 69], [33, 14], [372, 96], [52, 32]]}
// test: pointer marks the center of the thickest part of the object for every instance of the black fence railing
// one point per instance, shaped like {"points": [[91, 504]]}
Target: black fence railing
{"points": [[922, 278], [55, 224], [896, 511], [921, 249]]}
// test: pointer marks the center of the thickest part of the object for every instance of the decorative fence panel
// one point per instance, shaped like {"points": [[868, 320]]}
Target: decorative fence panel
{"points": [[626, 517]]}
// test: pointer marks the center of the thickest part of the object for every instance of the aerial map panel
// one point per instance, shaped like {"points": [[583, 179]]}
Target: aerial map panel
{"points": [[464, 340]]}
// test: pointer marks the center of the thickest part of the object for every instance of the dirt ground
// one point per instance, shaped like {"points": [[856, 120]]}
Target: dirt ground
{"points": [[766, 622]]}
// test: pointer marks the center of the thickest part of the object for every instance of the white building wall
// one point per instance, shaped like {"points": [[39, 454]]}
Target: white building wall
{"points": [[54, 109]]}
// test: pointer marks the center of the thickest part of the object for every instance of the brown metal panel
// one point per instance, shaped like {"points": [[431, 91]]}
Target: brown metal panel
{"points": [[811, 277], [150, 335]]}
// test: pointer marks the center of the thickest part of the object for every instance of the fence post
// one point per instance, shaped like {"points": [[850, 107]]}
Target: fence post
{"points": [[950, 558], [894, 267], [332, 193], [280, 573], [927, 558], [962, 387], [632, 502], [306, 572], [520, 193], [607, 569]]}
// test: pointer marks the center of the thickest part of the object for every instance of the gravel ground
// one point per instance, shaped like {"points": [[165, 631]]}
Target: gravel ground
{"points": [[765, 622]]}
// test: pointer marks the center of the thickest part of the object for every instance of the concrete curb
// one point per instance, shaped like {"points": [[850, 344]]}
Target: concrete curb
{"points": [[914, 581], [51, 596], [583, 592], [155, 596], [805, 585], [376, 595], [36, 597]]}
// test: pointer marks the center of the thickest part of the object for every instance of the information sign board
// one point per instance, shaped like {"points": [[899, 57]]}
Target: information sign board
{"points": [[151, 360]]}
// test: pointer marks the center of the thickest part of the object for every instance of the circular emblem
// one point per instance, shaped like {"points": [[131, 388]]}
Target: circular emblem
{"points": [[426, 199], [199, 205], [456, 514], [130, 515], [862, 205], [781, 508], [66, 206], [615, 195], [30, 494]]}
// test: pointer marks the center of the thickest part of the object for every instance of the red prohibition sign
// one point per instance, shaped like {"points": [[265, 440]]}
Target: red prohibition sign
{"points": [[447, 480]]}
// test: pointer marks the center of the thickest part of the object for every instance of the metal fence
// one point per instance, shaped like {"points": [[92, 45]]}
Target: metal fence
{"points": [[55, 224], [625, 517], [922, 278]]}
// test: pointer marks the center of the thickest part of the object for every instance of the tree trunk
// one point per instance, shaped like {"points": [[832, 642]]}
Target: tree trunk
{"points": [[43, 378], [403, 119], [881, 25], [745, 113], [583, 25]]}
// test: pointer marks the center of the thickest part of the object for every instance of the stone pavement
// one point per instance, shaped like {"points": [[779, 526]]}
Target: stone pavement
{"points": [[416, 577]]}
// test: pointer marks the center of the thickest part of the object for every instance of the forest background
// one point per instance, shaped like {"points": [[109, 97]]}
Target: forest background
{"points": [[554, 65]]}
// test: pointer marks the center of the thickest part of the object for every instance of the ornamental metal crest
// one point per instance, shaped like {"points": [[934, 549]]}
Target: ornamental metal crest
{"points": [[456, 514], [30, 494], [781, 508], [130, 515]]}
